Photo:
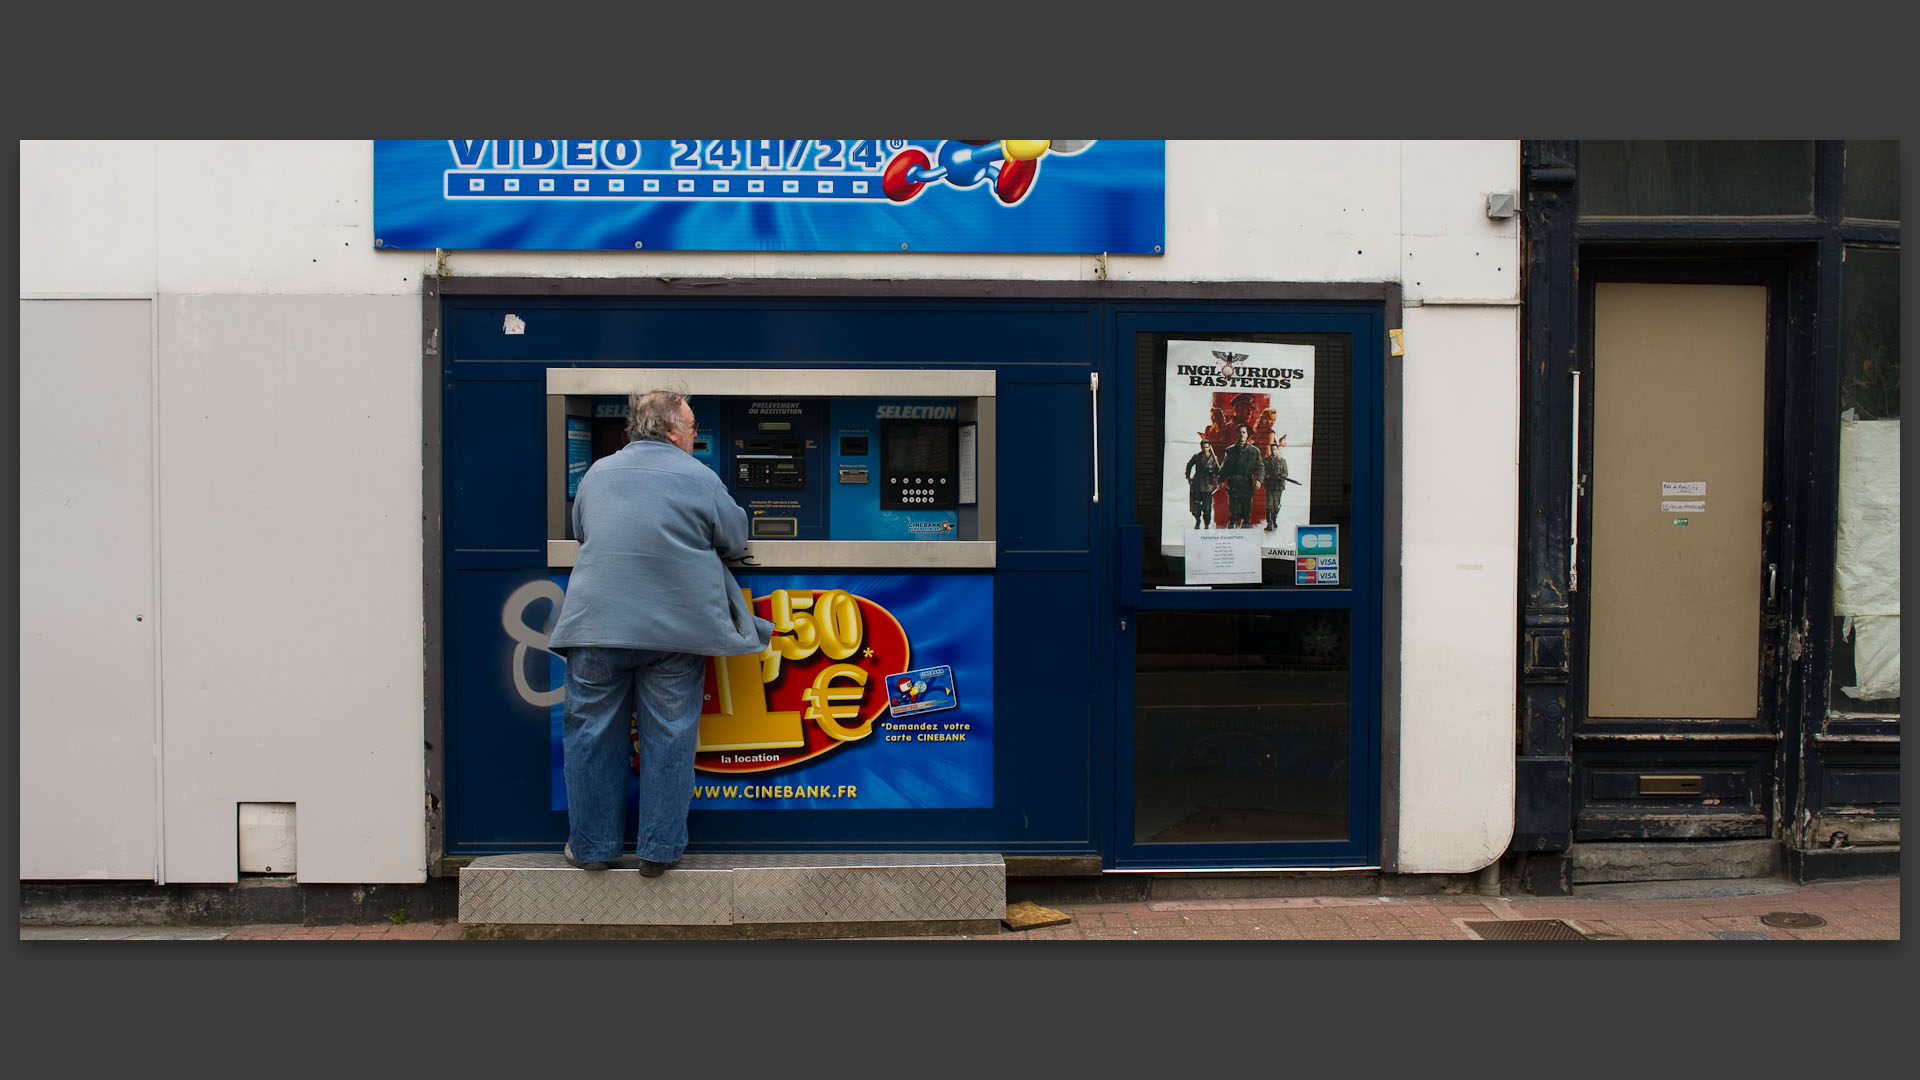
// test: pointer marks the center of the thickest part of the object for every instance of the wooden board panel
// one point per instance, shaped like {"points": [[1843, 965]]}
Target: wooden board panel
{"points": [[1679, 397]]}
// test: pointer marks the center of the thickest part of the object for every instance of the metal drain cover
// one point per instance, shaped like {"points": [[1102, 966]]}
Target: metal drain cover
{"points": [[1526, 930], [1792, 920]]}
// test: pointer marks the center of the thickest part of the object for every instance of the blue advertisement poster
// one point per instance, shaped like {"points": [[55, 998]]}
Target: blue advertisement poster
{"points": [[1083, 196], [876, 693]]}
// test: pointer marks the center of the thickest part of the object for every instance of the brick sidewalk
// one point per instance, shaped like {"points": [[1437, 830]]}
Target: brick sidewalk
{"points": [[1858, 910], [1851, 911]]}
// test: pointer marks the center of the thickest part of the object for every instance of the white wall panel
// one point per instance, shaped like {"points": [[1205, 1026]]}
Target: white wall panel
{"points": [[1277, 211], [87, 612], [86, 219], [1451, 249], [296, 217], [272, 217], [291, 529], [1459, 537]]}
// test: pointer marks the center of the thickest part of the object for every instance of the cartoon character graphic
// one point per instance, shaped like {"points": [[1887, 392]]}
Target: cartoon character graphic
{"points": [[1012, 165]]}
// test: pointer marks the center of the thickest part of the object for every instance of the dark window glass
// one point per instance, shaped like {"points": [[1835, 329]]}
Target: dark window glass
{"points": [[1328, 481], [1870, 333], [1241, 727], [1866, 648], [1873, 179], [1655, 178]]}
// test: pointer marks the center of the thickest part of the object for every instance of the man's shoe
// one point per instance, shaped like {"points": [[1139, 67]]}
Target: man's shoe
{"points": [[566, 851], [649, 868]]}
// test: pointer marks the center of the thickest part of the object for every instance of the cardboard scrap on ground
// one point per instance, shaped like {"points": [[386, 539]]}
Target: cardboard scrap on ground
{"points": [[1027, 915]]}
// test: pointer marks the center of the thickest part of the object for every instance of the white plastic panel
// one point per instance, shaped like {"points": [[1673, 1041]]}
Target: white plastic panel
{"points": [[87, 213], [87, 605], [1459, 544], [269, 840], [291, 531]]}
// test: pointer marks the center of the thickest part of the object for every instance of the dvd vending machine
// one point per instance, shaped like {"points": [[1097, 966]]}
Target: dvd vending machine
{"points": [[870, 504]]}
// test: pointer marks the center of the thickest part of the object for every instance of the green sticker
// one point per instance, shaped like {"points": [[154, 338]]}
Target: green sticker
{"points": [[1679, 521]]}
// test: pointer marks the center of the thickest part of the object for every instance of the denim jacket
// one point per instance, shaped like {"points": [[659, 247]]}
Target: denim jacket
{"points": [[654, 524]]}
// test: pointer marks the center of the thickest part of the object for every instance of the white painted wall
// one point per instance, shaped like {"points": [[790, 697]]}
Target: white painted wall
{"points": [[285, 440], [1460, 446], [1459, 573]]}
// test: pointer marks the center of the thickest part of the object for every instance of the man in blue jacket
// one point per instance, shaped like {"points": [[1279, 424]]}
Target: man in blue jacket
{"points": [[650, 598]]}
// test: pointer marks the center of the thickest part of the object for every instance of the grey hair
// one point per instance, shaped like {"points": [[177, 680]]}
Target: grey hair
{"points": [[653, 414]]}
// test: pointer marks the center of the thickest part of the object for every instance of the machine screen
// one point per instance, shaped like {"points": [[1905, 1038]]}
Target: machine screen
{"points": [[919, 448], [916, 465]]}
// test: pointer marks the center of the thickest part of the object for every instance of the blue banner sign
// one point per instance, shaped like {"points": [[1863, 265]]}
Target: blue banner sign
{"points": [[1083, 196]]}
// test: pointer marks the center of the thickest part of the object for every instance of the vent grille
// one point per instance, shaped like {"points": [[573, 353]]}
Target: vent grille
{"points": [[1526, 930]]}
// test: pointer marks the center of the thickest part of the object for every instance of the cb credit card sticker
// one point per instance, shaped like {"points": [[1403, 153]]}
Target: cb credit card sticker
{"points": [[923, 690]]}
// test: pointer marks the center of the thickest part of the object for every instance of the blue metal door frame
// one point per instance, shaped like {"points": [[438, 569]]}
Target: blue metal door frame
{"points": [[1366, 324]]}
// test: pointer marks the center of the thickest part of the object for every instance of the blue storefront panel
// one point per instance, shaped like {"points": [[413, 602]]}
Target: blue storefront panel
{"points": [[1031, 650]]}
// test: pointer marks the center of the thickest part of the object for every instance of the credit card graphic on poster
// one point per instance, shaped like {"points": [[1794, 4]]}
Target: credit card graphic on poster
{"points": [[817, 722], [922, 691]]}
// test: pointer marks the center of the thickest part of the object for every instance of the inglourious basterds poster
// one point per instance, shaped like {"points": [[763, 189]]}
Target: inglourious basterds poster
{"points": [[1239, 441]]}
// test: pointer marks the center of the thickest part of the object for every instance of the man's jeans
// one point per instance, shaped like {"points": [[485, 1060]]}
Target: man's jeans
{"points": [[603, 687]]}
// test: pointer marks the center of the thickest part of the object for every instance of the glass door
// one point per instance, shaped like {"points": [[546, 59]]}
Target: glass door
{"points": [[1248, 509]]}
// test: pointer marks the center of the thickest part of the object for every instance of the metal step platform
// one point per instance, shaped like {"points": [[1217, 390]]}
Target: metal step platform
{"points": [[746, 890]]}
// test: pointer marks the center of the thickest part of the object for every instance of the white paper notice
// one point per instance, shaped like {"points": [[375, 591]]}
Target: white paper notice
{"points": [[1671, 488], [1683, 506], [1222, 556]]}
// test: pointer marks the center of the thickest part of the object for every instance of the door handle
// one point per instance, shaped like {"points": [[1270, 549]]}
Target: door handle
{"points": [[1093, 380], [1573, 497], [1773, 574]]}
